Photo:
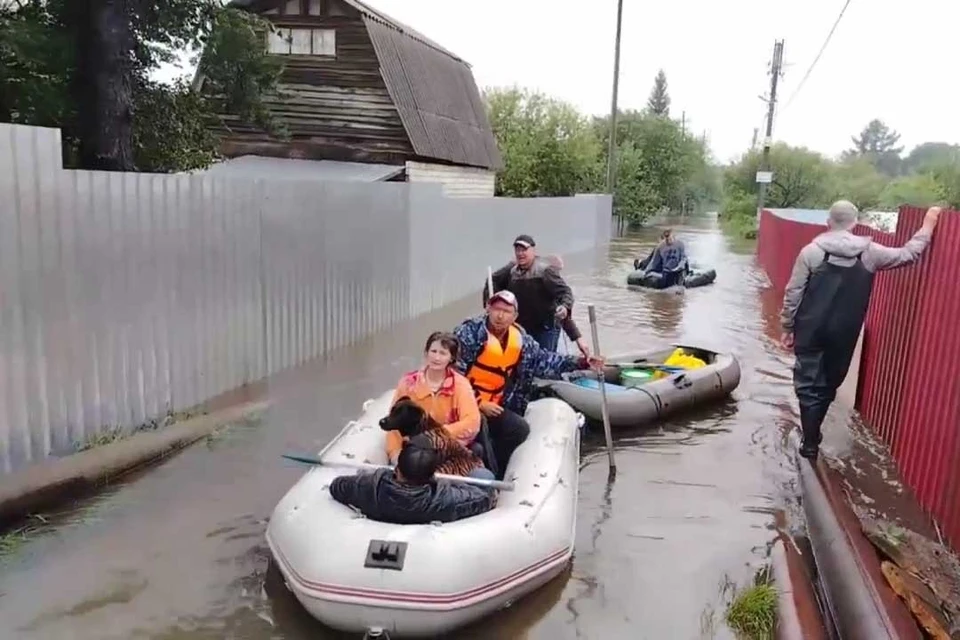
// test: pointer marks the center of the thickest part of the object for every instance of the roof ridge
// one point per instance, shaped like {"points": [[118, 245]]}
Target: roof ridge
{"points": [[380, 16]]}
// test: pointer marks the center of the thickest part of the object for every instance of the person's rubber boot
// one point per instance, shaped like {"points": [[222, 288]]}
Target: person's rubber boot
{"points": [[811, 421]]}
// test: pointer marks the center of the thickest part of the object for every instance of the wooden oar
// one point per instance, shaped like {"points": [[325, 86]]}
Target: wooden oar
{"points": [[604, 410], [478, 482]]}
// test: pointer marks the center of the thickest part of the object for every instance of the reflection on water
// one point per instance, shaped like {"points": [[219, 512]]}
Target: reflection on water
{"points": [[178, 553]]}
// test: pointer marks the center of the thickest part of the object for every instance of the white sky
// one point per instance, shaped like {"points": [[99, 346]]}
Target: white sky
{"points": [[890, 60]]}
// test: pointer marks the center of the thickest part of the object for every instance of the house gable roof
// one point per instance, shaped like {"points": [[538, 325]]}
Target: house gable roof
{"points": [[433, 90]]}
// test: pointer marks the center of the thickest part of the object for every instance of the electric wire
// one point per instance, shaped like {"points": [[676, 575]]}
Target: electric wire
{"points": [[819, 54]]}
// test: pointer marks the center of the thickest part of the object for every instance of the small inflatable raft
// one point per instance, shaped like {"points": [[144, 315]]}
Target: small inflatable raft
{"points": [[693, 278], [359, 575], [635, 396]]}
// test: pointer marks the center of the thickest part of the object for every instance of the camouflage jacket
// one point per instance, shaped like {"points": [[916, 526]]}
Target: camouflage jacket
{"points": [[535, 362]]}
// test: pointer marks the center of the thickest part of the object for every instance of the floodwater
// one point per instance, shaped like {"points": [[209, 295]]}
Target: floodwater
{"points": [[177, 552]]}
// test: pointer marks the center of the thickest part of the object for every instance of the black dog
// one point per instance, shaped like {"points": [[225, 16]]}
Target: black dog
{"points": [[415, 424]]}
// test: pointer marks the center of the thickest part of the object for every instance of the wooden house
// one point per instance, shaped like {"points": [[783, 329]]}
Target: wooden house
{"points": [[360, 87]]}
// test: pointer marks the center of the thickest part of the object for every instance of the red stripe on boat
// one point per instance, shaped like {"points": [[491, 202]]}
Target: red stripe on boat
{"points": [[421, 598]]}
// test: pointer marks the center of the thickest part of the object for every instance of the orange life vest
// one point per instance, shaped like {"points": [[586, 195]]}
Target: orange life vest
{"points": [[490, 373]]}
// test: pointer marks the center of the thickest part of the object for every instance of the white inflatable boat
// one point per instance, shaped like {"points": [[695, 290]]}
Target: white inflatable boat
{"points": [[359, 575]]}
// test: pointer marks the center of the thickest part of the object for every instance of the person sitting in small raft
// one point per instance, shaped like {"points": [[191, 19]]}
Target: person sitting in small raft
{"points": [[669, 259], [440, 390], [501, 361], [408, 493]]}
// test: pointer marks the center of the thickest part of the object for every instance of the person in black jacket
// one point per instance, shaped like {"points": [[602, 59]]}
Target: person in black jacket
{"points": [[544, 299], [409, 494]]}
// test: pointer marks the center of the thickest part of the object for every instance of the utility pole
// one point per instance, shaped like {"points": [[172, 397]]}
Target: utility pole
{"points": [[756, 132], [612, 151], [683, 123], [775, 66]]}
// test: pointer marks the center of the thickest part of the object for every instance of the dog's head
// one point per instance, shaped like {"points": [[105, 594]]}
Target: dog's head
{"points": [[405, 416]]}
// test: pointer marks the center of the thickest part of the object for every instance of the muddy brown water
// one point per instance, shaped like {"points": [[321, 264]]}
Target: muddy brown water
{"points": [[178, 552]]}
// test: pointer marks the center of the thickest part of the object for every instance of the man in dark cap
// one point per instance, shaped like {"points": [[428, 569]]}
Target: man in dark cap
{"points": [[544, 298]]}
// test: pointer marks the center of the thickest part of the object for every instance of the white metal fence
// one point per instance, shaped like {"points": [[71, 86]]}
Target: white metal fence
{"points": [[127, 296]]}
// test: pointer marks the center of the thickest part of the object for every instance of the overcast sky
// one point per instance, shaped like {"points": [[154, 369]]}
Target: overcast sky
{"points": [[896, 61]]}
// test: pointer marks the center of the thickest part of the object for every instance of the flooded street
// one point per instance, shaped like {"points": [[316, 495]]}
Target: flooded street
{"points": [[178, 552]]}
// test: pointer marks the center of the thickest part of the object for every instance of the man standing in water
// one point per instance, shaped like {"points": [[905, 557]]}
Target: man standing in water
{"points": [[825, 304], [544, 298]]}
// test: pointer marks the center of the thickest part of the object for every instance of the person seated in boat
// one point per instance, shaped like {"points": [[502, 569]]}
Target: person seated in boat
{"points": [[410, 420], [669, 259], [501, 362], [444, 393], [408, 493]]}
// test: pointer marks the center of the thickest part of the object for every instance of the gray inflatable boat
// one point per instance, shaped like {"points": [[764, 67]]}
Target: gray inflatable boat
{"points": [[637, 394]]}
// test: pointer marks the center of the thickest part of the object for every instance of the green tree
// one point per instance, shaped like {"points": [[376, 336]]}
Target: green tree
{"points": [[878, 143], [170, 132], [859, 182], [84, 67], [548, 147], [659, 101], [801, 178], [928, 155], [917, 190], [659, 163], [947, 176], [635, 195]]}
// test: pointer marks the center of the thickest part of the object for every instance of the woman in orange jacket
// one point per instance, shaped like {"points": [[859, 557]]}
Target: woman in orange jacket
{"points": [[441, 391]]}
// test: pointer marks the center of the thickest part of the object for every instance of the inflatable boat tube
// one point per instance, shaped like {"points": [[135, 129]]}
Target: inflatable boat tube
{"points": [[635, 398], [693, 279], [359, 575]]}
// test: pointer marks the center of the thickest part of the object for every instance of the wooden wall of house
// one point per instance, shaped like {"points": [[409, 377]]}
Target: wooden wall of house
{"points": [[335, 108]]}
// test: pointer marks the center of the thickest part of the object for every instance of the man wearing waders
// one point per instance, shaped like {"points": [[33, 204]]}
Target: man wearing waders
{"points": [[825, 304]]}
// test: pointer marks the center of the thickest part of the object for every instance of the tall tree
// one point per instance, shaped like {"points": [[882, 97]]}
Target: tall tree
{"points": [[878, 143], [103, 83], [801, 177], [548, 147], [84, 66], [931, 154], [659, 101]]}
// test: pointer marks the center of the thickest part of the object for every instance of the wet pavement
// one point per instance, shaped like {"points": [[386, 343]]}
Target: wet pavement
{"points": [[177, 552]]}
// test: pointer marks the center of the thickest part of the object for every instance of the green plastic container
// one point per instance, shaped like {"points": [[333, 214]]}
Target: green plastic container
{"points": [[635, 377]]}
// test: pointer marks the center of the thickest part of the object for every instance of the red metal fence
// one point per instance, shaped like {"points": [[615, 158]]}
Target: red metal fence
{"points": [[909, 389]]}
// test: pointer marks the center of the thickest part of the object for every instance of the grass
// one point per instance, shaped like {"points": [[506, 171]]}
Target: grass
{"points": [[738, 215], [753, 612], [11, 541], [109, 435], [740, 226]]}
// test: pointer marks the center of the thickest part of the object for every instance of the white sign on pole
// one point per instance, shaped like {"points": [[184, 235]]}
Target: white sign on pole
{"points": [[765, 177]]}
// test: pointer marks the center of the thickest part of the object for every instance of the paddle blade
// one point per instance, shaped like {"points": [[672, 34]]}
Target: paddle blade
{"points": [[302, 458]]}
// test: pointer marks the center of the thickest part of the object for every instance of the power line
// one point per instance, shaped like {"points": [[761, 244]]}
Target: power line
{"points": [[817, 59]]}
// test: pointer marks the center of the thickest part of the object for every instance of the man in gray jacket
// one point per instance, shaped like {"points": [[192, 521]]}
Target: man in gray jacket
{"points": [[825, 304]]}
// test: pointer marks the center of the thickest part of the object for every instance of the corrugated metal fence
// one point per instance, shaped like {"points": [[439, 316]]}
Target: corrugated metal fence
{"points": [[909, 389], [124, 297]]}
